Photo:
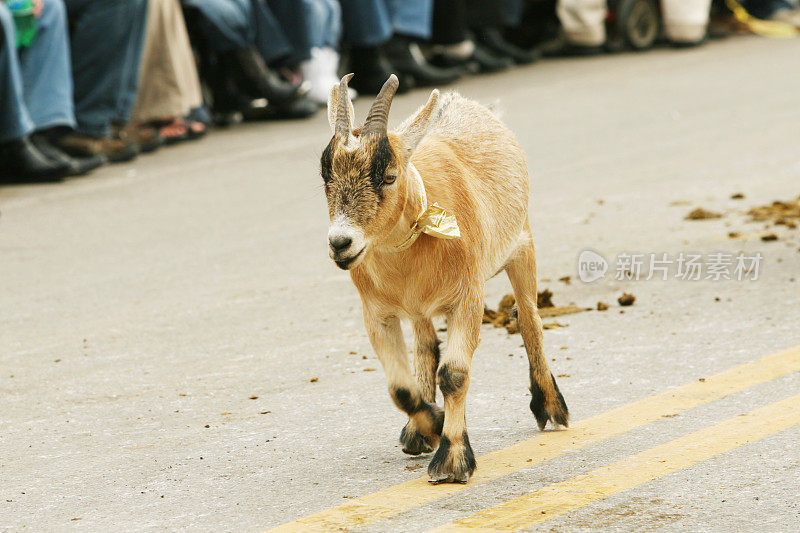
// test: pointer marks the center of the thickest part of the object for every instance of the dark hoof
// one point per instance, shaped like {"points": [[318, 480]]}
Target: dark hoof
{"points": [[452, 462], [414, 442], [556, 411]]}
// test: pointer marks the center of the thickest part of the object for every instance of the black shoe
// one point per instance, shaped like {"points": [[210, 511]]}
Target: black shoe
{"points": [[489, 61], [494, 41], [22, 162], [297, 109], [262, 82], [371, 69], [560, 47], [406, 57], [481, 60], [78, 166]]}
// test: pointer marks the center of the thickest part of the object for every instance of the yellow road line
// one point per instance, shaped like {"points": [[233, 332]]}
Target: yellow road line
{"points": [[400, 498], [560, 498]]}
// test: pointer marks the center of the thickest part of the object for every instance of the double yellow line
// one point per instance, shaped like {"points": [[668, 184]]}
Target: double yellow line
{"points": [[576, 492]]}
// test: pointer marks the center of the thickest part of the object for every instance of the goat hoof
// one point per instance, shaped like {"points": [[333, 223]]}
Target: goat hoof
{"points": [[453, 462], [414, 442]]}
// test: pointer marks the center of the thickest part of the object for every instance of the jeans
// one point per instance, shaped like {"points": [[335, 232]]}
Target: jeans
{"points": [[35, 82], [46, 74], [323, 23], [372, 22], [277, 29], [15, 121], [107, 41]]}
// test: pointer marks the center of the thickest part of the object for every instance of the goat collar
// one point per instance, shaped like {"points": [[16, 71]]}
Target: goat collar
{"points": [[433, 219]]}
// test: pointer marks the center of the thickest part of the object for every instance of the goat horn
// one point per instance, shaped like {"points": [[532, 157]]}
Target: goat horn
{"points": [[378, 117], [343, 125]]}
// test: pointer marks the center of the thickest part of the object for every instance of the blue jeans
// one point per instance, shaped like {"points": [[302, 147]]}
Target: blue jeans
{"points": [[46, 73], [323, 23], [15, 121], [35, 82], [277, 29], [107, 46], [372, 22]]}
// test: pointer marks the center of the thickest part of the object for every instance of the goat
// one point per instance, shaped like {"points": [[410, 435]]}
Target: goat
{"points": [[454, 152]]}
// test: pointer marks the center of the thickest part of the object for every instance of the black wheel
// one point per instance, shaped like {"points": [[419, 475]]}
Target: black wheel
{"points": [[632, 24]]}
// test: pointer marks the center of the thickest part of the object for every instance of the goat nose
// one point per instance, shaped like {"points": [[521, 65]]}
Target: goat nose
{"points": [[340, 243]]}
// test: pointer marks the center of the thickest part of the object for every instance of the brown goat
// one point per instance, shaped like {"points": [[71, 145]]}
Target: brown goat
{"points": [[456, 153]]}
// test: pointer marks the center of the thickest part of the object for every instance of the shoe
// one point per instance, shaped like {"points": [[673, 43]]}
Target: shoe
{"points": [[560, 47], [322, 72], [469, 55], [371, 69], [495, 42], [173, 130], [22, 162], [297, 109], [78, 166], [146, 137], [263, 82], [115, 149], [406, 57]]}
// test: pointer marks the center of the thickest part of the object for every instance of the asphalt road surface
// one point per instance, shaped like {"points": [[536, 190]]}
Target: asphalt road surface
{"points": [[178, 352]]}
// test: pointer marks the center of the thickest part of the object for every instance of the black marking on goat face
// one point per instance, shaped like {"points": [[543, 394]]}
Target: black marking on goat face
{"points": [[380, 162], [354, 179], [326, 163]]}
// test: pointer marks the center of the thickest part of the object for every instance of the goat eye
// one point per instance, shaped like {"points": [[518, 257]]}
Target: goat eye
{"points": [[389, 178]]}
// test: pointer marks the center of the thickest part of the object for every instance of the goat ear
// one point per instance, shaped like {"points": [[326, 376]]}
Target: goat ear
{"points": [[333, 105], [414, 128]]}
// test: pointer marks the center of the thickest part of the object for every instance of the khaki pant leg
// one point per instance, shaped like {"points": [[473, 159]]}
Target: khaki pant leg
{"points": [[686, 21], [168, 82], [583, 21]]}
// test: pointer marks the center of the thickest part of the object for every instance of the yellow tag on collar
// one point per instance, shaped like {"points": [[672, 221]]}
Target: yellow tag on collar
{"points": [[435, 222]]}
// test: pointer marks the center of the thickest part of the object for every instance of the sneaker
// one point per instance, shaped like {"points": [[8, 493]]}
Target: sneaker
{"points": [[322, 72]]}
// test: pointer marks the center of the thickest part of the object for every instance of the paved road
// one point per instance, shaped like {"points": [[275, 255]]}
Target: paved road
{"points": [[178, 352]]}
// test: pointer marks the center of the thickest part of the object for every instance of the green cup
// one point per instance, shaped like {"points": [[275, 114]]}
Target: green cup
{"points": [[24, 20]]}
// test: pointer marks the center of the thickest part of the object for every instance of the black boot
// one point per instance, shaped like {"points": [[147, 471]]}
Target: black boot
{"points": [[559, 46], [78, 166], [371, 69], [494, 41], [406, 57], [481, 59], [263, 82], [22, 162]]}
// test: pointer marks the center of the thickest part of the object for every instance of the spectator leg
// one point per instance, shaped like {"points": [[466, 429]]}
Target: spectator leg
{"points": [[106, 46], [413, 18], [15, 122], [168, 84], [46, 70], [366, 23]]}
